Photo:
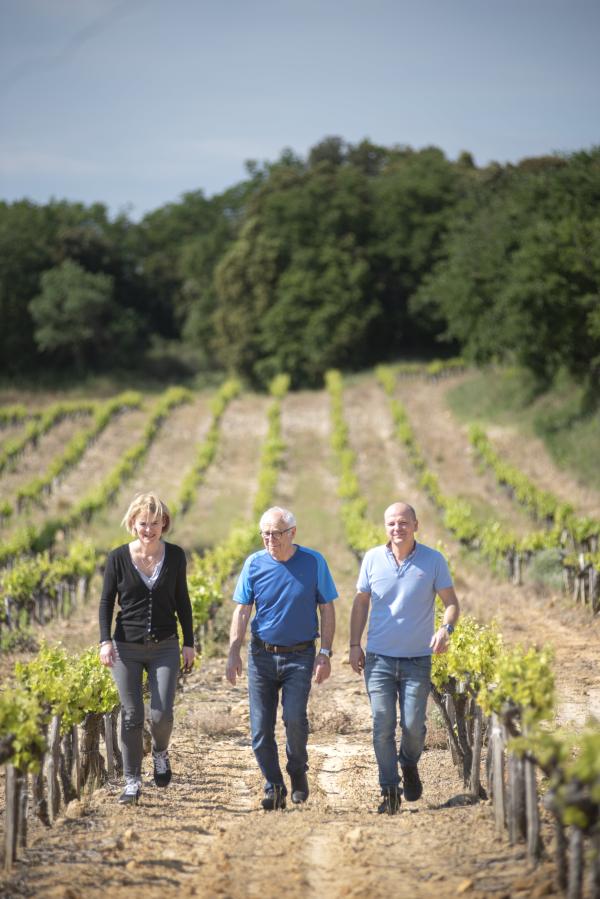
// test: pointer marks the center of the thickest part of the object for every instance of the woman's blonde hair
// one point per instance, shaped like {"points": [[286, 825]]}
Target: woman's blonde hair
{"points": [[146, 503]]}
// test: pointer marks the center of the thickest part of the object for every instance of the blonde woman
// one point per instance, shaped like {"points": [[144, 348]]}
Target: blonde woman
{"points": [[148, 577]]}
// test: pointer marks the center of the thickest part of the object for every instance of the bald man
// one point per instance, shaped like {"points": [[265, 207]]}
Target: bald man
{"points": [[398, 582]]}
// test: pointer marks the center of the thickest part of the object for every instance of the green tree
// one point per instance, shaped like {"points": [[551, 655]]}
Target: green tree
{"points": [[520, 276], [320, 317], [73, 314], [293, 288], [413, 198], [25, 251]]}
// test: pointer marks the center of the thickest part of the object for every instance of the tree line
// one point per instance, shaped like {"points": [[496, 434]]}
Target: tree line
{"points": [[354, 255]]}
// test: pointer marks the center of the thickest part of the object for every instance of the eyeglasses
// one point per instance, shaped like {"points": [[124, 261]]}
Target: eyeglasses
{"points": [[274, 535]]}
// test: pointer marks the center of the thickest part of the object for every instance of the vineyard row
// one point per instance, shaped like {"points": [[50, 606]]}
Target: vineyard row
{"points": [[492, 539]]}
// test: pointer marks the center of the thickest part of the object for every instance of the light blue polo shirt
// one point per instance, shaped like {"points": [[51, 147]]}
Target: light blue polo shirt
{"points": [[285, 594], [401, 622]]}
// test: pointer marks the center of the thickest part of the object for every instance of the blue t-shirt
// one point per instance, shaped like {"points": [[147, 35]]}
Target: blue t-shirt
{"points": [[401, 623], [285, 594]]}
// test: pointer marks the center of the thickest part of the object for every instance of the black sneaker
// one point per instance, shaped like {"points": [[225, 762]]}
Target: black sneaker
{"points": [[390, 802], [300, 789], [131, 793], [274, 798], [413, 788], [162, 768]]}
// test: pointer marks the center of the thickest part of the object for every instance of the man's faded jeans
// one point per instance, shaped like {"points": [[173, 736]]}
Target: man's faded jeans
{"points": [[268, 673], [390, 680]]}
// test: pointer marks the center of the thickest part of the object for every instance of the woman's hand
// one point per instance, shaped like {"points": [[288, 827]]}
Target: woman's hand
{"points": [[189, 654], [107, 654]]}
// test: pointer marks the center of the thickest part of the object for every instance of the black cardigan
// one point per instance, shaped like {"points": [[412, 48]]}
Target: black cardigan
{"points": [[146, 610]]}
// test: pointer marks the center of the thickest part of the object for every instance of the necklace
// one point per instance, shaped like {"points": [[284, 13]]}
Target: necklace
{"points": [[148, 562]]}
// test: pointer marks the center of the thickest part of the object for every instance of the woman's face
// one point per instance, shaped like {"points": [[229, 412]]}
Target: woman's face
{"points": [[147, 527]]}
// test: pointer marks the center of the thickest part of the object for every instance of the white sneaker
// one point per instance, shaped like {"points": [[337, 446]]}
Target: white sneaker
{"points": [[131, 793]]}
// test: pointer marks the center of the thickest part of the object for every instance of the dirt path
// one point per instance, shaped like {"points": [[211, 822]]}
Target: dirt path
{"points": [[227, 494], [308, 485], [205, 835]]}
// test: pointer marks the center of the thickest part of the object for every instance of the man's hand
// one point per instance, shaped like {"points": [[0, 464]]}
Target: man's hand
{"points": [[357, 659], [439, 641], [233, 668], [322, 668]]}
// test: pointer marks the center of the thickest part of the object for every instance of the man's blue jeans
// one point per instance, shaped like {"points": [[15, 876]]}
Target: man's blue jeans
{"points": [[268, 673], [388, 680]]}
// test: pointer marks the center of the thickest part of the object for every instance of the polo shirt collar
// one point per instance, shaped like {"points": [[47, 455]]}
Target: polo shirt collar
{"points": [[408, 558]]}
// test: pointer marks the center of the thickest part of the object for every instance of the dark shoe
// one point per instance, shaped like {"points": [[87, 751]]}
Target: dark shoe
{"points": [[413, 788], [300, 789], [390, 802], [162, 768], [131, 793], [274, 798]]}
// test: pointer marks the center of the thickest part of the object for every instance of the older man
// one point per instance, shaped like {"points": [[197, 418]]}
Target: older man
{"points": [[399, 581], [286, 583]]}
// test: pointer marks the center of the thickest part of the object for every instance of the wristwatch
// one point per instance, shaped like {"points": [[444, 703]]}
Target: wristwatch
{"points": [[449, 628], [325, 652]]}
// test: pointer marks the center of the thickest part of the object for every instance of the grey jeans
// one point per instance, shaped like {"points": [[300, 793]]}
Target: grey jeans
{"points": [[161, 661]]}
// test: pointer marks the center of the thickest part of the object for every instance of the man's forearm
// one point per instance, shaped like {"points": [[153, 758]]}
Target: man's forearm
{"points": [[327, 624], [239, 624], [358, 617], [451, 606], [451, 614]]}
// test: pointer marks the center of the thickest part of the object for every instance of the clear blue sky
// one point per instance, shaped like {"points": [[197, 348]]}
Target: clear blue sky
{"points": [[133, 102]]}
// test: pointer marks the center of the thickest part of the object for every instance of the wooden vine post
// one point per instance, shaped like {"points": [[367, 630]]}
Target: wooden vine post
{"points": [[532, 812], [70, 769], [517, 826], [497, 772], [92, 768], [575, 878], [77, 781], [475, 784], [595, 872], [11, 816], [451, 723], [108, 741], [53, 767], [40, 803], [23, 809]]}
